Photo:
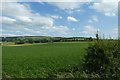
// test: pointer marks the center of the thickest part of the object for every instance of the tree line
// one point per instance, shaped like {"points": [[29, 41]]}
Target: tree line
{"points": [[23, 40]]}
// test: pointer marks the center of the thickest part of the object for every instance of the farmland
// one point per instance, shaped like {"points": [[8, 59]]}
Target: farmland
{"points": [[40, 60]]}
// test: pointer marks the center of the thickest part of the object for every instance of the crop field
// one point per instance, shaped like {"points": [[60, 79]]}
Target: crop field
{"points": [[40, 60]]}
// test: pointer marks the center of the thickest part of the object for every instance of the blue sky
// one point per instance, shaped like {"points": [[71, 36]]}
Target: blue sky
{"points": [[67, 19]]}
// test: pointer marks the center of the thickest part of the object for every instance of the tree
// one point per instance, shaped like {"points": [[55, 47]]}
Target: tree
{"points": [[19, 41], [30, 41], [90, 39], [97, 36]]}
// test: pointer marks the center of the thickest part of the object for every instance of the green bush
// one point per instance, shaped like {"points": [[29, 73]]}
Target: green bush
{"points": [[103, 59], [19, 41]]}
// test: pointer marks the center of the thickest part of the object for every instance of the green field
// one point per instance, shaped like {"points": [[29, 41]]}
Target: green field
{"points": [[42, 59]]}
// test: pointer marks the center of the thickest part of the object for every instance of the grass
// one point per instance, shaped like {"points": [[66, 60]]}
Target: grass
{"points": [[7, 43], [41, 60]]}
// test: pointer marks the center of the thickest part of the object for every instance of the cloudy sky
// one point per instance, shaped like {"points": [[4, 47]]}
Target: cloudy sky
{"points": [[68, 19]]}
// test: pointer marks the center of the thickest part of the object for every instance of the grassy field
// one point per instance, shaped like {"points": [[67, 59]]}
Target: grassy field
{"points": [[41, 60]]}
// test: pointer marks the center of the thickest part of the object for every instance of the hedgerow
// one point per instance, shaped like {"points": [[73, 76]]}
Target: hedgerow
{"points": [[103, 59]]}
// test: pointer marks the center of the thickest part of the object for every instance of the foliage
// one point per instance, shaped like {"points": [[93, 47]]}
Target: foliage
{"points": [[103, 58], [30, 41], [43, 39], [19, 41]]}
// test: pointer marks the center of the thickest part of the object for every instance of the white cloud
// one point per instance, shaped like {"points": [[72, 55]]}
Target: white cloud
{"points": [[6, 35], [107, 8], [69, 6], [19, 19], [61, 29], [93, 19], [0, 32], [66, 5], [90, 30], [9, 0], [7, 20], [56, 17], [110, 0], [41, 1], [43, 21], [24, 19], [57, 29], [24, 15], [74, 11], [26, 31], [71, 19], [15, 9]]}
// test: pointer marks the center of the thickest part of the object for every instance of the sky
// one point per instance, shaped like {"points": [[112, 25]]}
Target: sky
{"points": [[59, 19]]}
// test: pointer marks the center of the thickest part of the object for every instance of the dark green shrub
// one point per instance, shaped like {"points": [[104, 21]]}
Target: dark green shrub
{"points": [[30, 41], [19, 41], [103, 58]]}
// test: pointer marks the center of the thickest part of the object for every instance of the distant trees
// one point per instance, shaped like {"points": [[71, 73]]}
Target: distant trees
{"points": [[10, 39], [19, 41], [23, 40], [89, 39], [37, 41], [30, 41]]}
